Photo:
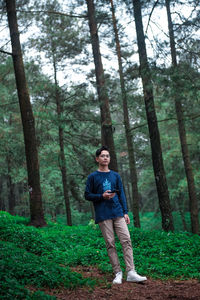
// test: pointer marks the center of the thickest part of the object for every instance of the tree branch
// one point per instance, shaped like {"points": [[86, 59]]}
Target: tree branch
{"points": [[191, 117], [52, 12], [6, 104], [5, 52], [151, 15]]}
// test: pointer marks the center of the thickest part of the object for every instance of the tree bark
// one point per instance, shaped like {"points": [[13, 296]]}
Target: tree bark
{"points": [[2, 204], [193, 203], [106, 122], [36, 209], [76, 195], [181, 210], [157, 159], [129, 140], [10, 186], [11, 195], [62, 152]]}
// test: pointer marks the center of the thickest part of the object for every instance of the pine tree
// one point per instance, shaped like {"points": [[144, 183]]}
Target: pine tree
{"points": [[60, 40], [106, 122], [36, 209], [193, 204], [157, 159], [132, 163]]}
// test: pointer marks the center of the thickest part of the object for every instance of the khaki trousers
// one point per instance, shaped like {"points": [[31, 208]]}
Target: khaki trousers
{"points": [[118, 226]]}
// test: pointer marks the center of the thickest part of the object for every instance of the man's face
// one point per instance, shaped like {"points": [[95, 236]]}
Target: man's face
{"points": [[104, 158]]}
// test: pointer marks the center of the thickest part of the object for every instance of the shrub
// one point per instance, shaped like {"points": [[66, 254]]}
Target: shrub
{"points": [[42, 256]]}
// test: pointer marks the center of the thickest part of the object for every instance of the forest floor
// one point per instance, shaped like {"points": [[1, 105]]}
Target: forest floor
{"points": [[152, 289]]}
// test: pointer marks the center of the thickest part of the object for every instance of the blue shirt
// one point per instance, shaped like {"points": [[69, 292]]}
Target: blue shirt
{"points": [[97, 183]]}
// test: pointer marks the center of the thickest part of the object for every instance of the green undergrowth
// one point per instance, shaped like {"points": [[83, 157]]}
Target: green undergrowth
{"points": [[42, 257], [153, 221]]}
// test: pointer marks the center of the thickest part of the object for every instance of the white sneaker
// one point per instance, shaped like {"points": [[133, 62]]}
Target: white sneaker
{"points": [[118, 278], [134, 277]]}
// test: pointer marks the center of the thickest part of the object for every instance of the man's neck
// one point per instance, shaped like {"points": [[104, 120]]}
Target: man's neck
{"points": [[103, 169]]}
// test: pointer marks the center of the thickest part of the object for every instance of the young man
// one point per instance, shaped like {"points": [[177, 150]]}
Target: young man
{"points": [[104, 188]]}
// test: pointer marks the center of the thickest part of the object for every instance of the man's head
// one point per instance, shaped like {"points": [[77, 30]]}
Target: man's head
{"points": [[103, 156], [103, 148]]}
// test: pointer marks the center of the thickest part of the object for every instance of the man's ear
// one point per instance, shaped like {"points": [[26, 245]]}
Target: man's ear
{"points": [[97, 159]]}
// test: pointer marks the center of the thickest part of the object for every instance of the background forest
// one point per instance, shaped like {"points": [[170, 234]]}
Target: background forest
{"points": [[73, 118]]}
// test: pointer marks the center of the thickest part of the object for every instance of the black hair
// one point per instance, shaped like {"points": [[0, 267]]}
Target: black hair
{"points": [[98, 152]]}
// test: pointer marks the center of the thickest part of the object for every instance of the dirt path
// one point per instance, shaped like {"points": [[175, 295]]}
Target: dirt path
{"points": [[151, 289]]}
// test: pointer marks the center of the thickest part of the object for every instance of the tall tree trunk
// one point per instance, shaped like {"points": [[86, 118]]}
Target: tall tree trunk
{"points": [[10, 186], [181, 210], [106, 122], [19, 193], [36, 209], [193, 203], [2, 204], [62, 152], [159, 172], [129, 140], [76, 195], [11, 195]]}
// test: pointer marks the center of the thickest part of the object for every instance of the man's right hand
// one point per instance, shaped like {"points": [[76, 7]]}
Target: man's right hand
{"points": [[108, 195]]}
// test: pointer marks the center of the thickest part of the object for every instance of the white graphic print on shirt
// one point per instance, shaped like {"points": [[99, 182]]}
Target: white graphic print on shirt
{"points": [[106, 185]]}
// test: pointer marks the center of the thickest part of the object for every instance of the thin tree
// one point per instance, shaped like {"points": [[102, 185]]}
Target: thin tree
{"points": [[59, 40], [156, 150], [193, 203], [10, 186], [106, 122], [129, 139], [2, 204], [61, 144], [36, 209]]}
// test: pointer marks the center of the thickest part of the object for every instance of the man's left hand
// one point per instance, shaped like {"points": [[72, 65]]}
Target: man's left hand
{"points": [[127, 219]]}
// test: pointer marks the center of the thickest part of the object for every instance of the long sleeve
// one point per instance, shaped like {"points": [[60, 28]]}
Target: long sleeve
{"points": [[89, 191], [122, 197]]}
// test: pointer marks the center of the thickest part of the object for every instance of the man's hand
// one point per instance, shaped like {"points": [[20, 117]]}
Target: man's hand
{"points": [[126, 217], [108, 195]]}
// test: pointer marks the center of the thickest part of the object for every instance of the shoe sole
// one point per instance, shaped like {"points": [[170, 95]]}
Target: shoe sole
{"points": [[129, 280]]}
